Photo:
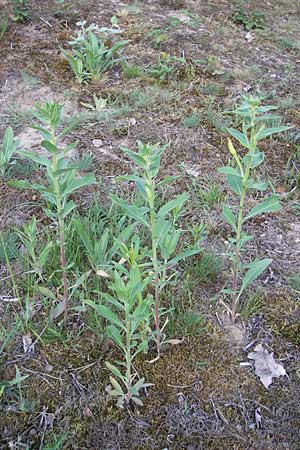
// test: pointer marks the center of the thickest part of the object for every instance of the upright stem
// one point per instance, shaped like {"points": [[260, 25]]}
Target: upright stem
{"points": [[128, 355], [156, 277], [236, 264], [61, 230]]}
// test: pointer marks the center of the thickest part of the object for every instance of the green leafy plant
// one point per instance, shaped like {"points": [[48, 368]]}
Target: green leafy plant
{"points": [[3, 26], [242, 179], [132, 308], [255, 20], [131, 70], [191, 121], [160, 222], [62, 180], [8, 387], [90, 57], [101, 241], [36, 257], [20, 11], [99, 104], [159, 36], [7, 149]]}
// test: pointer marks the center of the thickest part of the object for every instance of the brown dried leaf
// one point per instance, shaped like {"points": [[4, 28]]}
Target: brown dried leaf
{"points": [[27, 343], [266, 368]]}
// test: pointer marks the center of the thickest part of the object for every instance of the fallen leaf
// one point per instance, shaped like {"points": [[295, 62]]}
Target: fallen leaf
{"points": [[87, 412], [102, 273], [27, 343], [59, 309], [266, 368], [175, 341]]}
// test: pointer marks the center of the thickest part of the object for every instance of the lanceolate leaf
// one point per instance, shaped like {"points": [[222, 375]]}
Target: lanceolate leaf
{"points": [[177, 202], [49, 146], [132, 211], [243, 140], [106, 313], [271, 204], [227, 170], [229, 216], [115, 335], [77, 184], [269, 131], [183, 255], [44, 161], [114, 370], [255, 269], [235, 183]]}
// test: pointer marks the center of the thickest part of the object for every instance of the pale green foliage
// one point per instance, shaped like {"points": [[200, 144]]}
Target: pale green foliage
{"points": [[62, 179], [127, 315], [36, 255], [160, 222], [90, 57], [102, 244], [241, 179], [20, 11], [9, 387], [7, 149], [3, 26]]}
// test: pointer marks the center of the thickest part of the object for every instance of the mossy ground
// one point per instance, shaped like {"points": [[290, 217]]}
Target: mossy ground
{"points": [[201, 397]]}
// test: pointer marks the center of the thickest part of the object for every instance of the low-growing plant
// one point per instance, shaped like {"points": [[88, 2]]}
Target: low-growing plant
{"points": [[191, 121], [8, 388], [289, 44], [292, 170], [101, 241], [20, 10], [251, 21], [159, 37], [209, 195], [129, 308], [62, 180], [36, 255], [90, 56], [8, 147], [131, 70], [99, 104], [241, 179], [160, 222], [3, 26]]}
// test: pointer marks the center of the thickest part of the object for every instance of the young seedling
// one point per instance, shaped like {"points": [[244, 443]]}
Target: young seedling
{"points": [[20, 11], [159, 221], [62, 181], [241, 179], [90, 57], [37, 258], [132, 308], [7, 149]]}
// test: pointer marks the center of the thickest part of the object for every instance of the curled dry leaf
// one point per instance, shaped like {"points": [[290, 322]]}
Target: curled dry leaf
{"points": [[102, 273], [27, 343], [175, 341], [266, 368]]}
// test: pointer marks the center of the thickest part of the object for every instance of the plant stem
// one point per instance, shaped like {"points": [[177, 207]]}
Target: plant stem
{"points": [[128, 356], [237, 256], [61, 230], [156, 275]]}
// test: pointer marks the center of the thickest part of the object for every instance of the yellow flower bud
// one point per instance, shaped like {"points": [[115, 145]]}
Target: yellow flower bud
{"points": [[231, 148]]}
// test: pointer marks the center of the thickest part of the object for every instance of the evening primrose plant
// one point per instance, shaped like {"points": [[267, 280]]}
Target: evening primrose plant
{"points": [[242, 179], [8, 147], [90, 56], [62, 180], [126, 308], [159, 221]]}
